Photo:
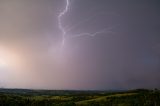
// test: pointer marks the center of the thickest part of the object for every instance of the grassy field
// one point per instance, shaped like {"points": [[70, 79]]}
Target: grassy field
{"points": [[22, 97]]}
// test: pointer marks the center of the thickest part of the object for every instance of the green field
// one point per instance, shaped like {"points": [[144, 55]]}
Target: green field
{"points": [[22, 97]]}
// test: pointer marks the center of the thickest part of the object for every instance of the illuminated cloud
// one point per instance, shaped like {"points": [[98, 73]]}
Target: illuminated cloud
{"points": [[79, 44]]}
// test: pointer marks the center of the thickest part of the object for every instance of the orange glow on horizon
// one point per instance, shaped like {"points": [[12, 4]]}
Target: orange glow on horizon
{"points": [[9, 59]]}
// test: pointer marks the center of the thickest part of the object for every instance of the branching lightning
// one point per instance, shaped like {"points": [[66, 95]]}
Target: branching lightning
{"points": [[60, 22], [65, 31], [105, 30]]}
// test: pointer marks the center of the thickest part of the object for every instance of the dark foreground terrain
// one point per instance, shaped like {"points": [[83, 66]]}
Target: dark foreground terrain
{"points": [[22, 97]]}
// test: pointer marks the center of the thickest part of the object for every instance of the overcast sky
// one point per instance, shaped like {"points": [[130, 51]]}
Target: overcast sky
{"points": [[109, 44]]}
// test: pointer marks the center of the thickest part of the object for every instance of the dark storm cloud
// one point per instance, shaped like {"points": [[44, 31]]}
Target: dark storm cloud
{"points": [[127, 56]]}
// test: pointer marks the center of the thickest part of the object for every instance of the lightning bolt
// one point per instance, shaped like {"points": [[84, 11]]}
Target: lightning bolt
{"points": [[103, 31], [61, 14], [65, 31]]}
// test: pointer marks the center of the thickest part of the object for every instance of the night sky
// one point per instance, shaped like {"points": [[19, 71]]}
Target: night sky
{"points": [[80, 44]]}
